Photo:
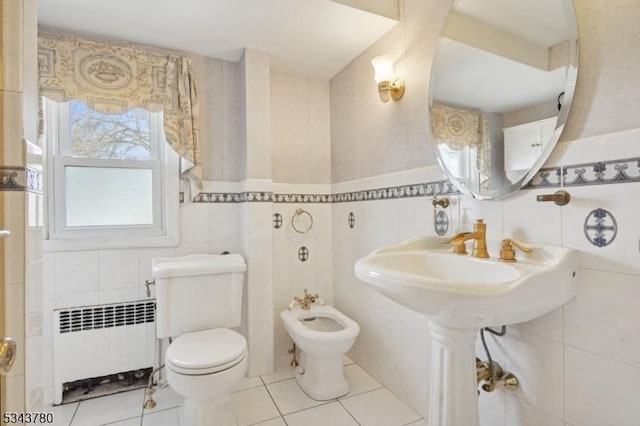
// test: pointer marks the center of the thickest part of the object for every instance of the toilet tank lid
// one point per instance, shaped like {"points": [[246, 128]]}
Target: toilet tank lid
{"points": [[196, 264]]}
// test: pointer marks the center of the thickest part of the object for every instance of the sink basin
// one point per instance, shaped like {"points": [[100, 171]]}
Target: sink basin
{"points": [[460, 295], [464, 292]]}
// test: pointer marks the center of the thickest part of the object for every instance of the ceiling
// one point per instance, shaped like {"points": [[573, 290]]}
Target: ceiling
{"points": [[316, 38]]}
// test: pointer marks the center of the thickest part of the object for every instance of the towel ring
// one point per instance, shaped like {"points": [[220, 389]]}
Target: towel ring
{"points": [[299, 212]]}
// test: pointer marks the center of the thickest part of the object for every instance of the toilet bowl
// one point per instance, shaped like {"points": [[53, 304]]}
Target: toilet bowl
{"points": [[205, 367], [199, 298], [323, 334]]}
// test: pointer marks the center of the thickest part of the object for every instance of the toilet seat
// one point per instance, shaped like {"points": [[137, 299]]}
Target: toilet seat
{"points": [[206, 351]]}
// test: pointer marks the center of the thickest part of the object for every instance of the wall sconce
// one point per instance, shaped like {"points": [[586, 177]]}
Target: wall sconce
{"points": [[389, 87]]}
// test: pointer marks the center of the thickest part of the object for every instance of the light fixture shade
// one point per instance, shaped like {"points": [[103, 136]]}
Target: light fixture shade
{"points": [[383, 66]]}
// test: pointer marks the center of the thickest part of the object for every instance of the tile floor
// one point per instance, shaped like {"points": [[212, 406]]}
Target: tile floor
{"points": [[272, 400]]}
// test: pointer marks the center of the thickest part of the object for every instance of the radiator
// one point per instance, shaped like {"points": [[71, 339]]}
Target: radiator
{"points": [[99, 340]]}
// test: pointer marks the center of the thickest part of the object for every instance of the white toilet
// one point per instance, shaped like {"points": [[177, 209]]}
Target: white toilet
{"points": [[323, 335], [198, 298]]}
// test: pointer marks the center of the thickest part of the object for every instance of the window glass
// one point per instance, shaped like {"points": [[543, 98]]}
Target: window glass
{"points": [[123, 136], [108, 196]]}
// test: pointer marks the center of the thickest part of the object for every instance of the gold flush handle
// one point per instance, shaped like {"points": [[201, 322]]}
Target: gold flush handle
{"points": [[8, 351], [508, 254]]}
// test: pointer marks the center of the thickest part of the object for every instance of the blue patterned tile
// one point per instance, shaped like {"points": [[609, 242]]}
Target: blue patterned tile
{"points": [[600, 227]]}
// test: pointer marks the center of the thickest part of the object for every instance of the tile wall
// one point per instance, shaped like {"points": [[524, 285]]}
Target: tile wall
{"points": [[562, 359], [89, 277], [302, 260]]}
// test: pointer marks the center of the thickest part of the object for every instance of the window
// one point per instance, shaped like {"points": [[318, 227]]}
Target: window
{"points": [[112, 176]]}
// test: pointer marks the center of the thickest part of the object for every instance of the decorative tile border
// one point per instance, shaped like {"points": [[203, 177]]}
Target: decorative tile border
{"points": [[393, 192], [387, 193], [233, 197], [12, 178], [598, 173], [302, 198]]}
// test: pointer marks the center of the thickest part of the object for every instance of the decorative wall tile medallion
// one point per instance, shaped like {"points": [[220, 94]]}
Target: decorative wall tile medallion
{"points": [[303, 254], [441, 223], [600, 227], [351, 220], [277, 220]]}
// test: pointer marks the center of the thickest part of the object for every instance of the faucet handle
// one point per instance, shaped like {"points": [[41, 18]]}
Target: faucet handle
{"points": [[458, 243], [507, 253]]}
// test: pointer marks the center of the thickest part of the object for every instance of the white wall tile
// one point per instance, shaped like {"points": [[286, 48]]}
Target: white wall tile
{"points": [[77, 271], [523, 216], [538, 364], [194, 222], [119, 269], [604, 316], [590, 401], [521, 413]]}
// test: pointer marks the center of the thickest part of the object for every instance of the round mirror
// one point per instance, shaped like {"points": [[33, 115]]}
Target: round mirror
{"points": [[502, 82]]}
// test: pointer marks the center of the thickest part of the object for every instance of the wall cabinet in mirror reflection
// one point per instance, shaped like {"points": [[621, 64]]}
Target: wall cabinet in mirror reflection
{"points": [[499, 71]]}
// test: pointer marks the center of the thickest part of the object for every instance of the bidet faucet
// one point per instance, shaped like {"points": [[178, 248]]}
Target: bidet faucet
{"points": [[479, 237], [306, 301]]}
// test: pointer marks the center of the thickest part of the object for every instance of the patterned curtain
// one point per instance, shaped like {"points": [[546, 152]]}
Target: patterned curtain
{"points": [[459, 128], [112, 78]]}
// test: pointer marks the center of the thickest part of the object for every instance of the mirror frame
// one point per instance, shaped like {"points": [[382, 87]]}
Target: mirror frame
{"points": [[567, 100]]}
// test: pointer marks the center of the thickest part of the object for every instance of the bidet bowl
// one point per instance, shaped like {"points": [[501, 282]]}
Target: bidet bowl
{"points": [[329, 342], [463, 292]]}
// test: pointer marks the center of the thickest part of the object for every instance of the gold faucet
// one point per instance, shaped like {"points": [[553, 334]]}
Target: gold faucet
{"points": [[306, 301], [479, 237]]}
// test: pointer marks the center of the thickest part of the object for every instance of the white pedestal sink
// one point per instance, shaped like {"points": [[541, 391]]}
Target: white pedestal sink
{"points": [[460, 295]]}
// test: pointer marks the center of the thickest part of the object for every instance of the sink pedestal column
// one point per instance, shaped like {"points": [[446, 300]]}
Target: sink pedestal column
{"points": [[453, 397]]}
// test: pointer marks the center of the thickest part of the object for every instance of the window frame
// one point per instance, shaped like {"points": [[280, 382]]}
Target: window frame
{"points": [[164, 166]]}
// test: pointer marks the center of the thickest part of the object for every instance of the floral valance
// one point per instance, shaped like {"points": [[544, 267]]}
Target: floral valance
{"points": [[113, 78]]}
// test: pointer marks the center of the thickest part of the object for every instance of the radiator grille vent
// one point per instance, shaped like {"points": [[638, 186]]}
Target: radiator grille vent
{"points": [[105, 316]]}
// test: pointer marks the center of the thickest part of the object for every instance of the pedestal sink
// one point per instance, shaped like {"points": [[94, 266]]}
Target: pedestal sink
{"points": [[460, 295]]}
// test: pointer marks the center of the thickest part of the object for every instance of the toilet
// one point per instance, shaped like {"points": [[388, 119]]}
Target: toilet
{"points": [[199, 298], [323, 334]]}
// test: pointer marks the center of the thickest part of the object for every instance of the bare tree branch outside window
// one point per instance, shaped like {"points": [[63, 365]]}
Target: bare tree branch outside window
{"points": [[114, 136]]}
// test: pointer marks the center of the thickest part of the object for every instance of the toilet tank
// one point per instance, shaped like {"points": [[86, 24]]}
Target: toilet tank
{"points": [[198, 292]]}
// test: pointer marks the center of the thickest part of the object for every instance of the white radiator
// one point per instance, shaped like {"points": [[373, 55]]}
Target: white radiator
{"points": [[99, 340]]}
